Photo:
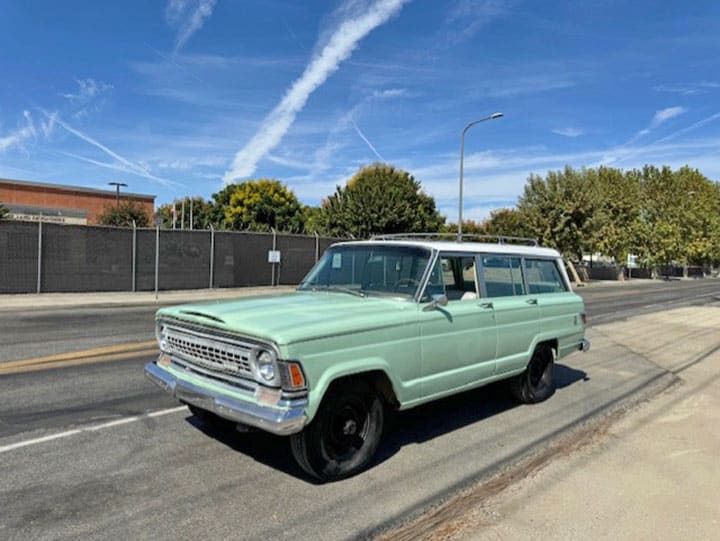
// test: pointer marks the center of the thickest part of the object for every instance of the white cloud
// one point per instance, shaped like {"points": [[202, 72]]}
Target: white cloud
{"points": [[661, 116], [468, 16], [569, 132], [340, 45], [666, 114], [688, 89], [27, 131], [187, 17], [88, 90]]}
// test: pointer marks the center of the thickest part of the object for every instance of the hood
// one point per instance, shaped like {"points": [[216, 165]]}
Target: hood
{"points": [[297, 316]]}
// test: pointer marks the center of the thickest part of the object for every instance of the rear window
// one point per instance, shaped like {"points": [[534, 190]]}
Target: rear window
{"points": [[543, 276]]}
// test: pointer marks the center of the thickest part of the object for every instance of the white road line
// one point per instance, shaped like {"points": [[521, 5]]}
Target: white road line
{"points": [[93, 428]]}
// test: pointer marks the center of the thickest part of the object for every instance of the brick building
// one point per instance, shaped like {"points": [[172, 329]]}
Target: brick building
{"points": [[62, 204]]}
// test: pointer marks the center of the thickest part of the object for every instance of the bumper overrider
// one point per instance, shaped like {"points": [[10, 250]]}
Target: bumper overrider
{"points": [[283, 417]]}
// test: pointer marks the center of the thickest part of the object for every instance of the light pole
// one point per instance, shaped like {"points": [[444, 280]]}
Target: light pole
{"points": [[117, 191], [462, 158]]}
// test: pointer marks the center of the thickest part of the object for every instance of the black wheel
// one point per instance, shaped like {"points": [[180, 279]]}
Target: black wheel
{"points": [[536, 383], [344, 435], [209, 419]]}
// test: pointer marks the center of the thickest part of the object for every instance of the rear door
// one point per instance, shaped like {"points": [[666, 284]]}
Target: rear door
{"points": [[559, 307], [459, 340], [516, 312]]}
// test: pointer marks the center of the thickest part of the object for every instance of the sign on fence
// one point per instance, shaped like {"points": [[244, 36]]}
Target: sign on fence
{"points": [[273, 256]]}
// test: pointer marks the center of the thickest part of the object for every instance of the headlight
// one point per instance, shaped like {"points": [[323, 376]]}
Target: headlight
{"points": [[161, 336], [266, 367]]}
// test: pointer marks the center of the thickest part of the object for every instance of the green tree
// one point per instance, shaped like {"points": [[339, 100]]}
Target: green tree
{"points": [[559, 208], [123, 214], [259, 205], [3, 211], [379, 199], [312, 217], [221, 200], [508, 222], [203, 213]]}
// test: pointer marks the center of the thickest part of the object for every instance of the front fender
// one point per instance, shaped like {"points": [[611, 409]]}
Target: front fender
{"points": [[349, 368]]}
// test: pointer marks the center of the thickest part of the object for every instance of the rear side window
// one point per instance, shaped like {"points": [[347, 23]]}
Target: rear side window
{"points": [[542, 276], [503, 276]]}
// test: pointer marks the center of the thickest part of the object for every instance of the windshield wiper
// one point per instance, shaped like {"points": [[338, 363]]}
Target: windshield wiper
{"points": [[356, 292]]}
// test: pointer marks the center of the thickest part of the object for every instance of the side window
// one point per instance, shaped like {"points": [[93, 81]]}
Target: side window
{"points": [[454, 276], [503, 276], [543, 276]]}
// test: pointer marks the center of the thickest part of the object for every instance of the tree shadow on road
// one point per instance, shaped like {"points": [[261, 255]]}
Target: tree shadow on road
{"points": [[417, 425]]}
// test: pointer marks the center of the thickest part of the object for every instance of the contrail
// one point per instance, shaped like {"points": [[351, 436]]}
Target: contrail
{"points": [[362, 136], [132, 167], [338, 48]]}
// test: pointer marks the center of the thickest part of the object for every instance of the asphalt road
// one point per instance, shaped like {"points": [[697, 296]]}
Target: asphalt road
{"points": [[96, 451]]}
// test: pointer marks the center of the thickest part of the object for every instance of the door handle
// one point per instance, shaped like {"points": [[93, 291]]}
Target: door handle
{"points": [[531, 301], [486, 305]]}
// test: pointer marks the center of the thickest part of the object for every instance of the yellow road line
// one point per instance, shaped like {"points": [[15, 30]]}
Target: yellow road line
{"points": [[77, 361], [74, 355]]}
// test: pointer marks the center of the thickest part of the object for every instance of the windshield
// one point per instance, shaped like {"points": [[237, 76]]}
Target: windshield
{"points": [[369, 270]]}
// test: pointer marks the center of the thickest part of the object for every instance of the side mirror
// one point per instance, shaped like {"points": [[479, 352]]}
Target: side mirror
{"points": [[437, 301]]}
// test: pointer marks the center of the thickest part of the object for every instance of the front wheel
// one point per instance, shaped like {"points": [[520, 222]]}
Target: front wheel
{"points": [[344, 435], [536, 383]]}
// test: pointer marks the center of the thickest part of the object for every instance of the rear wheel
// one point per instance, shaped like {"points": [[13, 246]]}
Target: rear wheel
{"points": [[536, 383], [344, 435]]}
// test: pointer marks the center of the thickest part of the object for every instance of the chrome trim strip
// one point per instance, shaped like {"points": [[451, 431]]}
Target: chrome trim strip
{"points": [[243, 384], [288, 417]]}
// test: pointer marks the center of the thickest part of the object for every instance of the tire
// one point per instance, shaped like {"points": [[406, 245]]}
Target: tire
{"points": [[536, 383], [342, 438]]}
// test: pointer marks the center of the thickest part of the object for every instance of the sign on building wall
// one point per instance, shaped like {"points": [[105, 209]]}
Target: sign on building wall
{"points": [[53, 219]]}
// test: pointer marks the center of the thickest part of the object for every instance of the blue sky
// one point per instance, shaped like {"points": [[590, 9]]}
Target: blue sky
{"points": [[176, 97]]}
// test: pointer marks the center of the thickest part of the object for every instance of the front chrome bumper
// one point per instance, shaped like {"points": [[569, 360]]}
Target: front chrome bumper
{"points": [[277, 420], [584, 345]]}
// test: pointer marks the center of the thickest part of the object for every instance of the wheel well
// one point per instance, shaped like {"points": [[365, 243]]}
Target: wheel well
{"points": [[552, 344], [377, 379]]}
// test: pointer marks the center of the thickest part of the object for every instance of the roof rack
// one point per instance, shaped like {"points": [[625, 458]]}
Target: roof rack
{"points": [[499, 239]]}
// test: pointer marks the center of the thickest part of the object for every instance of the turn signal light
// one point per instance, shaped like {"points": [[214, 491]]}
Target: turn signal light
{"points": [[296, 376]]}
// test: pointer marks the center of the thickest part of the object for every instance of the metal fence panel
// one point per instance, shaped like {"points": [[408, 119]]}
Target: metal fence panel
{"points": [[145, 260], [81, 258], [18, 257], [241, 259], [184, 259], [92, 258], [297, 258]]}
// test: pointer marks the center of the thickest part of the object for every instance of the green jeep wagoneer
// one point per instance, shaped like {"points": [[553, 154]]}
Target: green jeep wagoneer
{"points": [[388, 323]]}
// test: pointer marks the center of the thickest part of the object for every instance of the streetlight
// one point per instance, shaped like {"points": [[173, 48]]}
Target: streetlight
{"points": [[462, 157], [117, 192]]}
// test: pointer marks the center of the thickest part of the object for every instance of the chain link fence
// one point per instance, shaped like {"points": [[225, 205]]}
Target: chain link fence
{"points": [[44, 257]]}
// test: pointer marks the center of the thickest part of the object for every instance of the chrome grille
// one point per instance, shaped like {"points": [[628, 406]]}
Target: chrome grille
{"points": [[209, 352]]}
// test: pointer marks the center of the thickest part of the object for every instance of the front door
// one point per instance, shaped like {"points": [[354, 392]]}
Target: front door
{"points": [[458, 341]]}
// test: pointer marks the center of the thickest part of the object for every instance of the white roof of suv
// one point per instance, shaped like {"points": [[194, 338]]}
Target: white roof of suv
{"points": [[469, 247]]}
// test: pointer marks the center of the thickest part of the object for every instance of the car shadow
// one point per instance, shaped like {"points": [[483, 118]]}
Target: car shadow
{"points": [[418, 425]]}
